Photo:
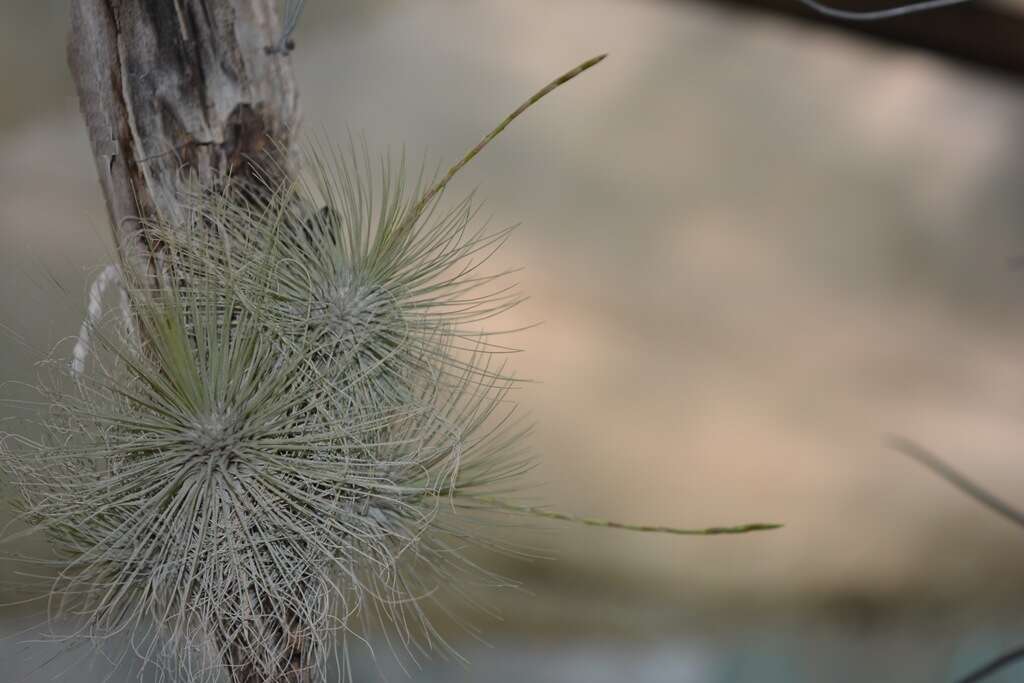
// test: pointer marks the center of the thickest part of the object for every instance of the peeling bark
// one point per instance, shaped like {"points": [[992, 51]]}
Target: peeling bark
{"points": [[171, 89]]}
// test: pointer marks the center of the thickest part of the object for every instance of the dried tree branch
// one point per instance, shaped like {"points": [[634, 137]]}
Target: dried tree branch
{"points": [[176, 91], [176, 88]]}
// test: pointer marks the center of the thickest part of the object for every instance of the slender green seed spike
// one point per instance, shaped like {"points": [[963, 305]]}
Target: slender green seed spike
{"points": [[561, 80], [609, 524]]}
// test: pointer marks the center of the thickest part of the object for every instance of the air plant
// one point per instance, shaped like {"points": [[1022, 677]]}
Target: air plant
{"points": [[369, 284], [287, 432]]}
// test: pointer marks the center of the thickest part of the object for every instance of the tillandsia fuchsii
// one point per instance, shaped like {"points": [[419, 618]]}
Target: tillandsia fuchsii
{"points": [[361, 286], [287, 442]]}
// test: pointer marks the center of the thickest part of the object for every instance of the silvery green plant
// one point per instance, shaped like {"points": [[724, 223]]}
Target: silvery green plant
{"points": [[286, 432], [349, 271], [198, 485]]}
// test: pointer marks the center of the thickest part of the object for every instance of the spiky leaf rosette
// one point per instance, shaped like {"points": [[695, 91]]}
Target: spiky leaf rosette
{"points": [[352, 270], [194, 486]]}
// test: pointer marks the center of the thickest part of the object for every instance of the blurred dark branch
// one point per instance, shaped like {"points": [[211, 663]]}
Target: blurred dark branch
{"points": [[994, 666], [983, 36], [963, 484], [879, 14]]}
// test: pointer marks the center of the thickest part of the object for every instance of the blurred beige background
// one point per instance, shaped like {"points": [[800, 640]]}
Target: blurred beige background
{"points": [[756, 249]]}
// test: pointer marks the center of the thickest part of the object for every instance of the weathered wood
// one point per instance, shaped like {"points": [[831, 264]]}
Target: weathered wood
{"points": [[176, 91], [173, 86]]}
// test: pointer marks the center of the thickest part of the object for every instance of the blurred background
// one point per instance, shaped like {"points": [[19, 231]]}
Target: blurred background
{"points": [[757, 247]]}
